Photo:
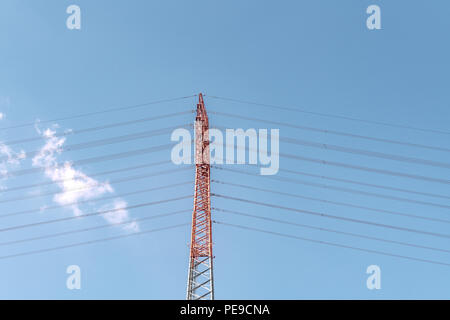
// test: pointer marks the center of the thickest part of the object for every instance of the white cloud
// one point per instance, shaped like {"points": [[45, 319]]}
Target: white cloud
{"points": [[74, 184], [119, 214], [9, 158]]}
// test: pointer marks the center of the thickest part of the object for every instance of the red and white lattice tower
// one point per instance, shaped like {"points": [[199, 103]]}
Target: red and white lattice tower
{"points": [[200, 278]]}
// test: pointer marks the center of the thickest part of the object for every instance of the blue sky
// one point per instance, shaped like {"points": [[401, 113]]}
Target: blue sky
{"points": [[311, 55]]}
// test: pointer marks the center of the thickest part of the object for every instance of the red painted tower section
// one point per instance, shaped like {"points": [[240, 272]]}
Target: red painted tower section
{"points": [[200, 278]]}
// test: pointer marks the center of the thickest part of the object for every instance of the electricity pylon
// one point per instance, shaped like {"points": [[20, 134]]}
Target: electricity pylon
{"points": [[200, 278]]}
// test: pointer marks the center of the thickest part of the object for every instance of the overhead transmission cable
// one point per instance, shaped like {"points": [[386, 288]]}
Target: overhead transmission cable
{"points": [[365, 184], [367, 153], [333, 132], [103, 226], [351, 166], [47, 208], [96, 128], [335, 217], [98, 174], [345, 204], [342, 189], [95, 185], [103, 142], [78, 244], [88, 114], [114, 156], [91, 214], [351, 234], [334, 244], [329, 115], [367, 169]]}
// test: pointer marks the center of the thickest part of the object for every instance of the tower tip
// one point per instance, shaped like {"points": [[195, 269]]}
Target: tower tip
{"points": [[200, 98]]}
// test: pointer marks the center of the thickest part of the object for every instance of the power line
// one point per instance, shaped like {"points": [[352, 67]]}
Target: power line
{"points": [[326, 131], [65, 233], [78, 244], [434, 195], [331, 243], [341, 189], [97, 128], [40, 184], [374, 154], [345, 204], [96, 199], [329, 115], [351, 166], [114, 156], [367, 169], [329, 216], [356, 235], [84, 115], [127, 179], [96, 213], [103, 142], [367, 153]]}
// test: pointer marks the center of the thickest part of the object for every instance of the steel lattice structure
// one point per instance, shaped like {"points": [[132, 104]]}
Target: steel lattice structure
{"points": [[200, 278]]}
